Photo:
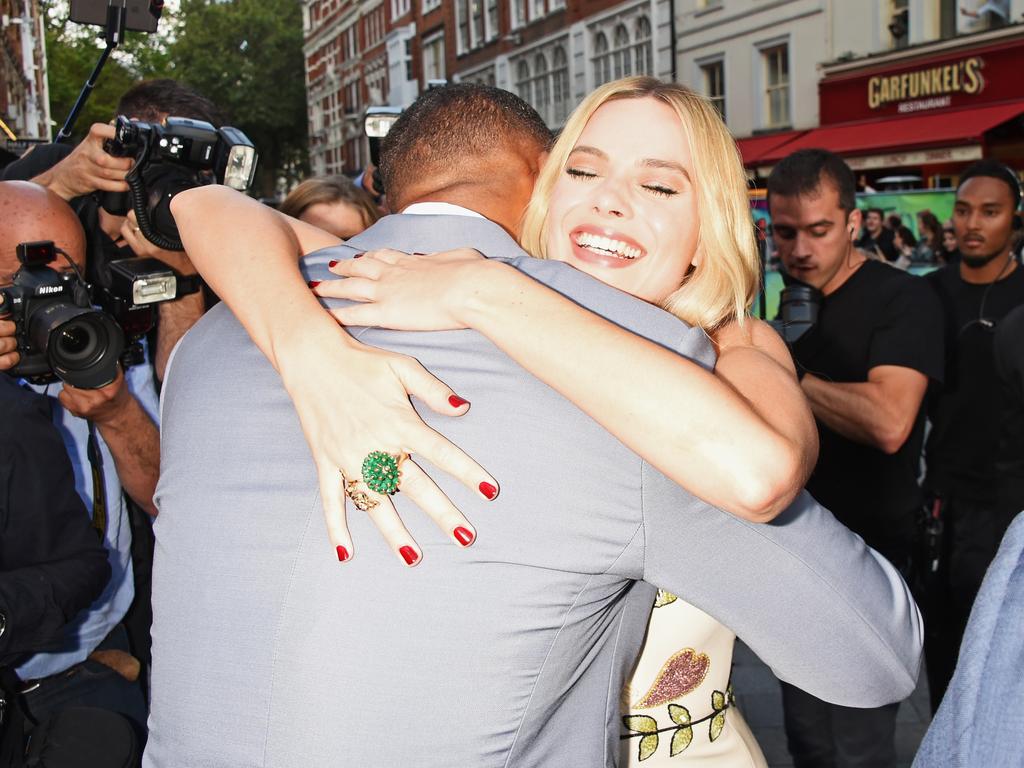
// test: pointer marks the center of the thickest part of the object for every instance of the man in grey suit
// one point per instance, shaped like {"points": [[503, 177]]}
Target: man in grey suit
{"points": [[510, 653]]}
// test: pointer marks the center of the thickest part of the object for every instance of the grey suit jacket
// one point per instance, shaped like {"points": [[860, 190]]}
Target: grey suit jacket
{"points": [[268, 652]]}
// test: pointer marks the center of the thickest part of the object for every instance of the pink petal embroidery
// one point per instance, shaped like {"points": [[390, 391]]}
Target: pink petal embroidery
{"points": [[682, 673]]}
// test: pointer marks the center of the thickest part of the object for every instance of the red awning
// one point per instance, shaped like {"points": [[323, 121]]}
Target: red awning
{"points": [[754, 148], [965, 126]]}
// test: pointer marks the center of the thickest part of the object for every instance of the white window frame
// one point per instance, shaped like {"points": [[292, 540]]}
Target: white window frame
{"points": [[765, 51], [517, 14], [643, 47], [705, 67], [430, 44]]}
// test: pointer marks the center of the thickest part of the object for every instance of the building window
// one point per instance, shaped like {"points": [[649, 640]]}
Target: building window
{"points": [[517, 13], [776, 69], [642, 47], [602, 60], [462, 41], [560, 85], [433, 58], [621, 64], [556, 5], [714, 84], [429, 5], [492, 19], [523, 84], [899, 23], [400, 8], [476, 16], [536, 9], [348, 44], [541, 88]]}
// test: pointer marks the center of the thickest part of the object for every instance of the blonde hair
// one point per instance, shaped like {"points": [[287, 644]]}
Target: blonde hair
{"points": [[723, 285]]}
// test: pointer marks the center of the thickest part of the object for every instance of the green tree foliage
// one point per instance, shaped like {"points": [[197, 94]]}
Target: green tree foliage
{"points": [[246, 55], [72, 51]]}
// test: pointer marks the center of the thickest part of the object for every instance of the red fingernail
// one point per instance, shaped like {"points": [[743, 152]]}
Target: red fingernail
{"points": [[409, 555], [488, 490], [342, 554], [313, 283], [417, 253], [332, 262], [456, 402], [464, 536]]}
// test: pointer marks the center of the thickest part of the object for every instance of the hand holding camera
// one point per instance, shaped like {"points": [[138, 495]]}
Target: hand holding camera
{"points": [[88, 168]]}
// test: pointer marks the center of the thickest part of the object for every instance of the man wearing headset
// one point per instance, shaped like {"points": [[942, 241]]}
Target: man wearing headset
{"points": [[865, 368], [961, 476]]}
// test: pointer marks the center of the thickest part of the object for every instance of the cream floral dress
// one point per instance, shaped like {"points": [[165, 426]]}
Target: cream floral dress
{"points": [[678, 707]]}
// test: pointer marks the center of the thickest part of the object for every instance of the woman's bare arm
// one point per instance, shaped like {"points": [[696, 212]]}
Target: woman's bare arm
{"points": [[743, 440]]}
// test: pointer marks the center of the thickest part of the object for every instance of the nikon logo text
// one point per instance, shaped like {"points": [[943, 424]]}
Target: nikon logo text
{"points": [[45, 289]]}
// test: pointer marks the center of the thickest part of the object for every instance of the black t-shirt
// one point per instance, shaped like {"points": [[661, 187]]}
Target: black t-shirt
{"points": [[884, 244], [1009, 361], [965, 410], [879, 316]]}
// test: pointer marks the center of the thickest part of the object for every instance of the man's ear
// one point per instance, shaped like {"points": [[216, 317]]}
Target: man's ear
{"points": [[854, 221]]}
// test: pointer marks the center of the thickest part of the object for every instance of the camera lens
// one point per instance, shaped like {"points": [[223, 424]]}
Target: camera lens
{"points": [[75, 341]]}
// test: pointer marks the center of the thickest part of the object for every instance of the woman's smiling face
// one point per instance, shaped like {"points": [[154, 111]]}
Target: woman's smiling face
{"points": [[624, 208]]}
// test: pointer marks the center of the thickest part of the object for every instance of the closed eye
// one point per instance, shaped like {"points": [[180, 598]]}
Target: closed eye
{"points": [[660, 189], [579, 173]]}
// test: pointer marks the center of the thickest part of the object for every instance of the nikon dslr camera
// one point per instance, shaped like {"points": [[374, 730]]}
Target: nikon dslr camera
{"points": [[59, 332]]}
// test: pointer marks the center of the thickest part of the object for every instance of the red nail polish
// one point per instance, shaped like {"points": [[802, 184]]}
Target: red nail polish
{"points": [[313, 283], [464, 536], [456, 402], [488, 490], [342, 554], [417, 253], [409, 555], [332, 262]]}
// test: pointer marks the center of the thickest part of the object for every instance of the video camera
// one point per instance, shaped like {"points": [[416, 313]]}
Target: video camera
{"points": [[169, 158], [798, 311], [61, 334]]}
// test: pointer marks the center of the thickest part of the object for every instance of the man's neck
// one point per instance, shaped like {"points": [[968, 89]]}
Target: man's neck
{"points": [[1000, 267], [852, 261]]}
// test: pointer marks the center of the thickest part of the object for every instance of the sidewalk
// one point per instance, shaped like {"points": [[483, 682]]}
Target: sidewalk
{"points": [[758, 696]]}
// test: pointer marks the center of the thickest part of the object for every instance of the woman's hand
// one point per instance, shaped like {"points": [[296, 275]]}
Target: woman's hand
{"points": [[365, 409], [406, 292]]}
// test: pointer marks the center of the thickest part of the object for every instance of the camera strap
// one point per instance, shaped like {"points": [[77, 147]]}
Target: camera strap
{"points": [[99, 487]]}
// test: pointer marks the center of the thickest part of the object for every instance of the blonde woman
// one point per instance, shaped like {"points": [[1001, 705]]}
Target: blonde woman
{"points": [[663, 215]]}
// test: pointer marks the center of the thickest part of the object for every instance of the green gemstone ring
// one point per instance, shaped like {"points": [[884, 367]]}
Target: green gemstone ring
{"points": [[380, 472]]}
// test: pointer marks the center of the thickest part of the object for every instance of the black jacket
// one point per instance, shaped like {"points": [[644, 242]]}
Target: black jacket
{"points": [[52, 562]]}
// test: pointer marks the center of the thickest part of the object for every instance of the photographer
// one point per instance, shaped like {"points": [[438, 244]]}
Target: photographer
{"points": [[80, 176], [118, 419], [864, 367]]}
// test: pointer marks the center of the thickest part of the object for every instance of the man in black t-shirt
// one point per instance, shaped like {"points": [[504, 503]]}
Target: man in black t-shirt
{"points": [[865, 368], [966, 411], [876, 237]]}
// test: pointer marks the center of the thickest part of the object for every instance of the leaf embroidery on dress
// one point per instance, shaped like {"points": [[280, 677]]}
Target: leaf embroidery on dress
{"points": [[664, 598], [684, 671]]}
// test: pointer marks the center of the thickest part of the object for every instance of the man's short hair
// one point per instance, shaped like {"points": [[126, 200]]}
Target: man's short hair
{"points": [[879, 211], [446, 126], [995, 170], [151, 100], [802, 173]]}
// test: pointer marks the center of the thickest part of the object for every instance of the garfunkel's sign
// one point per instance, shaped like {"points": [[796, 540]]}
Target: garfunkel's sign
{"points": [[971, 76], [962, 76]]}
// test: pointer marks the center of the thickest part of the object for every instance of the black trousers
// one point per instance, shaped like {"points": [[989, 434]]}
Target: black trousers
{"points": [[823, 735], [971, 537]]}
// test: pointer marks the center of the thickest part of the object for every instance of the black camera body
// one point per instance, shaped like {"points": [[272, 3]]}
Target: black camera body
{"points": [[59, 334], [59, 331], [176, 155], [799, 304]]}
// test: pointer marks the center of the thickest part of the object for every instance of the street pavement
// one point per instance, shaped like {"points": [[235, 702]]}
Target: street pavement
{"points": [[760, 700]]}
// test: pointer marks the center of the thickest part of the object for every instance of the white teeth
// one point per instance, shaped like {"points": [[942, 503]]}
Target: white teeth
{"points": [[614, 247]]}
